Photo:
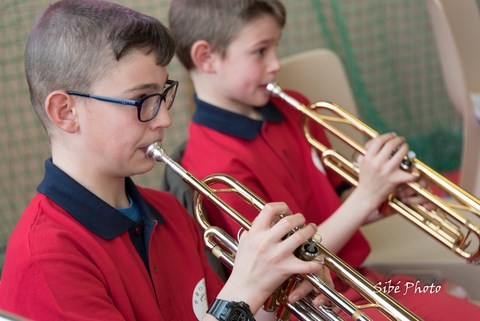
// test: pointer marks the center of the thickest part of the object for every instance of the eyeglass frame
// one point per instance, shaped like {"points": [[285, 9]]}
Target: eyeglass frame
{"points": [[171, 84]]}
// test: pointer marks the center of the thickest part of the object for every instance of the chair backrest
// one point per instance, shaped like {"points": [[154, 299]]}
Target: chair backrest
{"points": [[464, 18], [453, 69], [319, 75], [7, 316], [450, 61]]}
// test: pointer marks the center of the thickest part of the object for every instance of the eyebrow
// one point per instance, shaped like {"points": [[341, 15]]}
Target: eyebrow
{"points": [[142, 87], [153, 86]]}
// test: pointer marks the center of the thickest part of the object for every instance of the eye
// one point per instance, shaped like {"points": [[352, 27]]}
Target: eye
{"points": [[261, 52], [139, 97]]}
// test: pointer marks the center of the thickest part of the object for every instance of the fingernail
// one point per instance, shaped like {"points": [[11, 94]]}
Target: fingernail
{"points": [[317, 238]]}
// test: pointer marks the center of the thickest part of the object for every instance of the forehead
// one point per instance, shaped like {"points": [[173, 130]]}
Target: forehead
{"points": [[263, 29], [137, 69]]}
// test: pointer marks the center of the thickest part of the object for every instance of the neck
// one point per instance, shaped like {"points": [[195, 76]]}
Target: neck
{"points": [[110, 189]]}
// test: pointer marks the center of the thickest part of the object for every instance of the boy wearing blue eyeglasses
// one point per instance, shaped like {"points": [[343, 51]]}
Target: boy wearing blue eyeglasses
{"points": [[92, 245]]}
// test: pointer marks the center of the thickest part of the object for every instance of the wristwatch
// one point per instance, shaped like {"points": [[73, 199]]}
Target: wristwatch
{"points": [[230, 311]]}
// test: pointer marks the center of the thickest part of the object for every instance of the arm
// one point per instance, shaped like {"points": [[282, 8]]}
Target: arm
{"points": [[379, 176]]}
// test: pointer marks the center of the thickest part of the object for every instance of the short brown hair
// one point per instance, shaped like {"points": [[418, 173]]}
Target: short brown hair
{"points": [[216, 21], [73, 43]]}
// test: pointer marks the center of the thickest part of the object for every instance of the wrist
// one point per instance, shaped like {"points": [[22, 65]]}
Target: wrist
{"points": [[363, 202], [236, 289]]}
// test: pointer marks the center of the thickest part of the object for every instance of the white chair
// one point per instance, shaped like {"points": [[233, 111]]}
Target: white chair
{"points": [[464, 20], [460, 29], [320, 76]]}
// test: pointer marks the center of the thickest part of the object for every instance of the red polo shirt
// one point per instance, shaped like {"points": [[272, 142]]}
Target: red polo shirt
{"points": [[272, 158], [71, 257]]}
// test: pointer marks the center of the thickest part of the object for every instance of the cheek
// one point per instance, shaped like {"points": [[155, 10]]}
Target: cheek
{"points": [[244, 70], [111, 130], [245, 82]]}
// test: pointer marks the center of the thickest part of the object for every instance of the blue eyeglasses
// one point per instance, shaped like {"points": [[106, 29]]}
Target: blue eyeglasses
{"points": [[147, 107]]}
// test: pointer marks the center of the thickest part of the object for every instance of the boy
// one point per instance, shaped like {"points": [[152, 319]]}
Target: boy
{"points": [[92, 245], [229, 49]]}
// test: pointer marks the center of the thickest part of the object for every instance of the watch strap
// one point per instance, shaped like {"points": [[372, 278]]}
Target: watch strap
{"points": [[221, 309]]}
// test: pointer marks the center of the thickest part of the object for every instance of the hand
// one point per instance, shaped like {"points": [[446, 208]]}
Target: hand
{"points": [[409, 196], [306, 287], [265, 258], [380, 171]]}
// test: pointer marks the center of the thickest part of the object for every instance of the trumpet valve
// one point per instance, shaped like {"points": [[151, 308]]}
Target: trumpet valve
{"points": [[308, 251], [407, 162]]}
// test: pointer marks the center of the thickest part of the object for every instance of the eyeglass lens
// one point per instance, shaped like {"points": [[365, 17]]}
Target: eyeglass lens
{"points": [[152, 104]]}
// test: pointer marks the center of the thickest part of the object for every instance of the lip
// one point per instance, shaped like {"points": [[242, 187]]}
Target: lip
{"points": [[265, 86], [145, 147]]}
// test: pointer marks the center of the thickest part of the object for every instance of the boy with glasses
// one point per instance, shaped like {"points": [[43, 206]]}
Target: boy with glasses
{"points": [[92, 245]]}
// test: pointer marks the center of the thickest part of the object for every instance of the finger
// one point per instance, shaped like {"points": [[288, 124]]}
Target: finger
{"points": [[423, 182], [397, 158], [300, 291], [298, 235], [375, 145], [359, 160], [270, 214], [404, 191], [415, 199], [288, 223], [305, 288], [327, 277], [395, 148], [320, 300]]}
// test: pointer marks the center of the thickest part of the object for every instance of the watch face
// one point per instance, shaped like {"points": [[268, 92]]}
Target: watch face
{"points": [[238, 315]]}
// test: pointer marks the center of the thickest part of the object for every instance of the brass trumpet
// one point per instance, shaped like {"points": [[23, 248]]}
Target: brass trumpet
{"points": [[450, 223], [224, 247]]}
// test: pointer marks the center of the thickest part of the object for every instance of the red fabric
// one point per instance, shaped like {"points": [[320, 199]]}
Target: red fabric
{"points": [[56, 269]]}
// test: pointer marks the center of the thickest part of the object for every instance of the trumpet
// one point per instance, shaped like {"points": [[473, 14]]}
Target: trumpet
{"points": [[450, 223], [224, 247]]}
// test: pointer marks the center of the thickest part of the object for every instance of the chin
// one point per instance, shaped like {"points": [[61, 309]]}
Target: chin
{"points": [[144, 167], [260, 101]]}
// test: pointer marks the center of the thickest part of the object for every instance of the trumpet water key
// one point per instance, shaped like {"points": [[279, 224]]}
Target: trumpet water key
{"points": [[452, 221], [224, 247]]}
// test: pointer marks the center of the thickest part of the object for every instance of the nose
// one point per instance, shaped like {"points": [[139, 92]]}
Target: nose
{"points": [[162, 119], [274, 63]]}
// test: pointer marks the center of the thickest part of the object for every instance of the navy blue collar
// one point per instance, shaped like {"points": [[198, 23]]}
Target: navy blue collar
{"points": [[233, 124], [92, 212]]}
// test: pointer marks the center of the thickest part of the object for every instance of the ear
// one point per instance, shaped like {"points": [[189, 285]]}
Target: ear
{"points": [[60, 108], [203, 56]]}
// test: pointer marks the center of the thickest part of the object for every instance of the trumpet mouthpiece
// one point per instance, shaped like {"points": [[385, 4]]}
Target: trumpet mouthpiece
{"points": [[155, 151], [274, 88]]}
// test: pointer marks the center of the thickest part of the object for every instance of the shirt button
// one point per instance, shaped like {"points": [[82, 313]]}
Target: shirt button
{"points": [[138, 230], [155, 269]]}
